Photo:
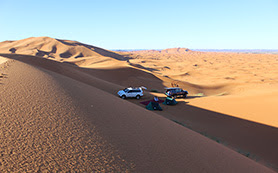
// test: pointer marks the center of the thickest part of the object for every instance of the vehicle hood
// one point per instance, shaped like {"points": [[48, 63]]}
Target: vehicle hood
{"points": [[121, 92]]}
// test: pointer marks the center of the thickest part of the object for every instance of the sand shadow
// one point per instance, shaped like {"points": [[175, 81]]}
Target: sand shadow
{"points": [[193, 97], [142, 67], [254, 140]]}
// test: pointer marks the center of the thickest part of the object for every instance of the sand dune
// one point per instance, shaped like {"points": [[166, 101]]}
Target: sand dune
{"points": [[239, 70], [54, 48], [2, 60], [52, 122], [63, 94]]}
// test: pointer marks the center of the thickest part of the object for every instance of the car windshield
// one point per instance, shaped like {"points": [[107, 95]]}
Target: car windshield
{"points": [[126, 90]]}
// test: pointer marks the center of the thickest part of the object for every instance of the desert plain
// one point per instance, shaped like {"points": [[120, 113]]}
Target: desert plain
{"points": [[60, 111]]}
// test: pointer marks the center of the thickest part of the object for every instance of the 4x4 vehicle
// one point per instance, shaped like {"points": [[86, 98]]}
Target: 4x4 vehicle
{"points": [[131, 92], [174, 92]]}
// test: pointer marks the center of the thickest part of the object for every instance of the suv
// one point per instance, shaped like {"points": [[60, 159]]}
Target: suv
{"points": [[174, 92], [131, 92]]}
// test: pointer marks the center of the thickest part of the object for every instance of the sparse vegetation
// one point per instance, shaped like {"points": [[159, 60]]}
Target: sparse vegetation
{"points": [[245, 153]]}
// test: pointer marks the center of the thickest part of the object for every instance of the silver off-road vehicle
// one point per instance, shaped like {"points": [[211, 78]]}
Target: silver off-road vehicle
{"points": [[131, 92]]}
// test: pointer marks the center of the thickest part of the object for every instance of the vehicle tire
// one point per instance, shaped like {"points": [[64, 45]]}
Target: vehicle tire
{"points": [[185, 95], [175, 96], [138, 97], [123, 97]]}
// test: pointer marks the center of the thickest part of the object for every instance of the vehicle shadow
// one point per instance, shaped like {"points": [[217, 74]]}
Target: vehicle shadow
{"points": [[193, 97]]}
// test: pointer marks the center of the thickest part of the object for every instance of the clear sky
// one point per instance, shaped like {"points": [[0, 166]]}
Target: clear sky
{"points": [[145, 24]]}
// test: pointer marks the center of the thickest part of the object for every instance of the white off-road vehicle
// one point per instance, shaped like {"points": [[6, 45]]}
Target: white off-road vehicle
{"points": [[131, 92]]}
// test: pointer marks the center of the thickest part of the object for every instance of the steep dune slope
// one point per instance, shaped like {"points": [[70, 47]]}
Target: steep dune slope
{"points": [[52, 122]]}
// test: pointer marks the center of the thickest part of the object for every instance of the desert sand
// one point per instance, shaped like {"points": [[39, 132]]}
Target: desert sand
{"points": [[60, 112], [2, 60]]}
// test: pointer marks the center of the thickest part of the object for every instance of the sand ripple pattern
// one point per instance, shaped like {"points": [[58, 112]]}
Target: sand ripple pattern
{"points": [[42, 130]]}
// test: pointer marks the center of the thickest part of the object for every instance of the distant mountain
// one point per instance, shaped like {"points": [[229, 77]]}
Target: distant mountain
{"points": [[168, 51], [176, 50], [239, 50], [275, 51]]}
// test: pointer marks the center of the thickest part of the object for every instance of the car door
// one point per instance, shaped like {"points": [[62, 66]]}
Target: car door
{"points": [[137, 92], [129, 93], [132, 93], [177, 91]]}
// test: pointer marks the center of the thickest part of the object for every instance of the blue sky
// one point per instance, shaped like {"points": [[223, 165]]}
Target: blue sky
{"points": [[145, 24]]}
